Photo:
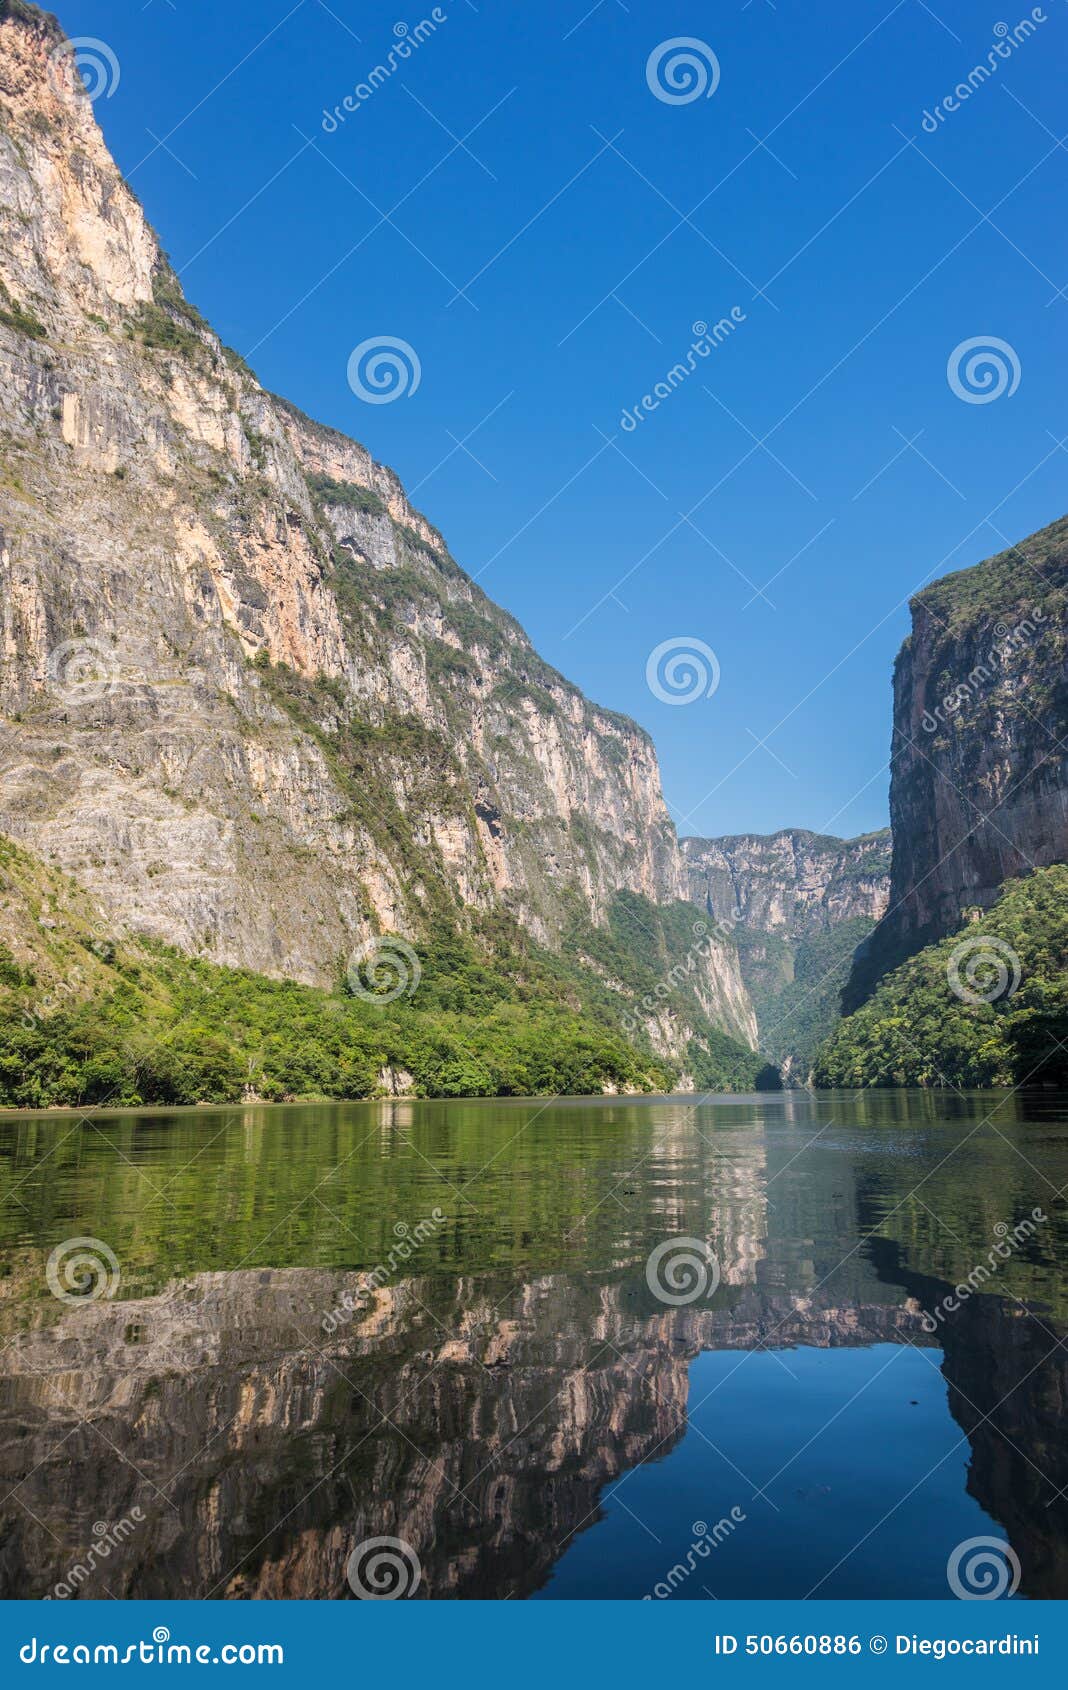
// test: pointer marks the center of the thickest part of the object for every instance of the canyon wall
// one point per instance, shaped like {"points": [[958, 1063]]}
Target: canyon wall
{"points": [[978, 780], [793, 882], [249, 701], [798, 904]]}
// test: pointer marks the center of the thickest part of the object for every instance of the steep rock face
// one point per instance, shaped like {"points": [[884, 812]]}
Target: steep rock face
{"points": [[251, 702], [978, 783], [799, 903], [793, 882]]}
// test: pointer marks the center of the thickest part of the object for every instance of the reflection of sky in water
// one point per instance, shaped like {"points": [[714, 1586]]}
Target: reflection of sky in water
{"points": [[819, 1449]]}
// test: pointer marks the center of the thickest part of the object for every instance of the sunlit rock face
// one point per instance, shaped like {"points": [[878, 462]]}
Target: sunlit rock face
{"points": [[799, 903], [793, 882], [202, 591]]}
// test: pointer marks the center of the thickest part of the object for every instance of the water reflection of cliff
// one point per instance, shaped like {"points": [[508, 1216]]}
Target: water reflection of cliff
{"points": [[1006, 1371], [477, 1420], [479, 1415]]}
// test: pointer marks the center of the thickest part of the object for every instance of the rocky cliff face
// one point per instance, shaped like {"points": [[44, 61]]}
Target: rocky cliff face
{"points": [[979, 783], [250, 701], [793, 882], [799, 903]]}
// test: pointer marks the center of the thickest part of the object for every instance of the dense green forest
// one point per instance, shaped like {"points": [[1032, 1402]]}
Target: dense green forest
{"points": [[795, 986], [929, 1022], [99, 1021]]}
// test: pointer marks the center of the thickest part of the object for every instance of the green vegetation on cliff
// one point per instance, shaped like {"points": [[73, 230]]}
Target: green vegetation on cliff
{"points": [[643, 952], [20, 11], [89, 1020], [795, 986], [917, 1030], [1004, 586], [172, 1029]]}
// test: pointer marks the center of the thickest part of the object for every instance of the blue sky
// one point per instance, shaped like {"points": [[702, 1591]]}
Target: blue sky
{"points": [[516, 203]]}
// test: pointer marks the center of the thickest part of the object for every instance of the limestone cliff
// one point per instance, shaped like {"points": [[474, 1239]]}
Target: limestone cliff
{"points": [[793, 882], [250, 701], [978, 779], [799, 903]]}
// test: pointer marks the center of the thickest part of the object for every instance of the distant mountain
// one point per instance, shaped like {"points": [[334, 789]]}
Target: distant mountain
{"points": [[798, 904]]}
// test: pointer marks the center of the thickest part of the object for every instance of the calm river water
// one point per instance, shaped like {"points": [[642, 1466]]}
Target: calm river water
{"points": [[240, 1344]]}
